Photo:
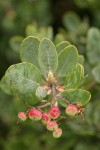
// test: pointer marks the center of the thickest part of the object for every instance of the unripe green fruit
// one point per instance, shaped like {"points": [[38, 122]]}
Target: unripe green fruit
{"points": [[71, 110], [52, 125], [22, 116], [35, 114], [45, 118], [57, 133]]}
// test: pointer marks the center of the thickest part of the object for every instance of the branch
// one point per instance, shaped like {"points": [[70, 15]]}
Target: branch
{"points": [[63, 99], [53, 91], [44, 105]]}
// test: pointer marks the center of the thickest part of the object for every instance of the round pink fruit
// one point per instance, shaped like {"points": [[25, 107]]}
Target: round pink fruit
{"points": [[71, 110], [54, 112], [35, 114], [52, 125], [57, 133], [22, 116], [45, 118]]}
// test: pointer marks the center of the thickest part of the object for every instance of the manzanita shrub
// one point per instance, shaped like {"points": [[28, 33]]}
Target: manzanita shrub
{"points": [[49, 81]]}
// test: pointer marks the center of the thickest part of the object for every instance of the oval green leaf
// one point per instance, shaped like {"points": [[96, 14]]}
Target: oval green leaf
{"points": [[24, 78], [67, 60], [5, 87], [71, 21], [29, 50], [47, 56], [29, 99], [73, 79], [60, 46], [77, 95]]}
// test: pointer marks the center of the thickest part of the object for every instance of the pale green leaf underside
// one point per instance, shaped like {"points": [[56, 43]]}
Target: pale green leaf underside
{"points": [[67, 60], [41, 92], [77, 95], [60, 46], [29, 50], [47, 56], [96, 73], [24, 78], [73, 79]]}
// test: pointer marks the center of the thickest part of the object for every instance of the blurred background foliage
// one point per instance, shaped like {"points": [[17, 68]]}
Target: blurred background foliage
{"points": [[75, 21]]}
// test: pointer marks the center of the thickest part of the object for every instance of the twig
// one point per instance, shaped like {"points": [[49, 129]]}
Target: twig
{"points": [[53, 91], [63, 99], [44, 105]]}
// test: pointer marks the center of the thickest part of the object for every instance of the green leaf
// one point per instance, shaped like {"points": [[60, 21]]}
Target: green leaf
{"points": [[77, 95], [83, 28], [96, 73], [15, 43], [47, 56], [71, 21], [93, 46], [24, 78], [60, 46], [40, 32], [31, 30], [62, 103], [81, 59], [5, 87], [29, 99], [73, 79], [29, 50], [41, 92], [67, 60], [59, 38]]}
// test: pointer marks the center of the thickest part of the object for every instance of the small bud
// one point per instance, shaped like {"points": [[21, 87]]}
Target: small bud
{"points": [[35, 114], [52, 125], [54, 112], [45, 118], [22, 116], [71, 110], [57, 133], [51, 78]]}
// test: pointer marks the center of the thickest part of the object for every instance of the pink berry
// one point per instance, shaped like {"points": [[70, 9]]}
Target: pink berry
{"points": [[45, 118], [71, 110], [52, 125], [57, 133], [22, 116], [54, 112], [35, 114]]}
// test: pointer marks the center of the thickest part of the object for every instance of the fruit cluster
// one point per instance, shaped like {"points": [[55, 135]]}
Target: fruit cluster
{"points": [[50, 118]]}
